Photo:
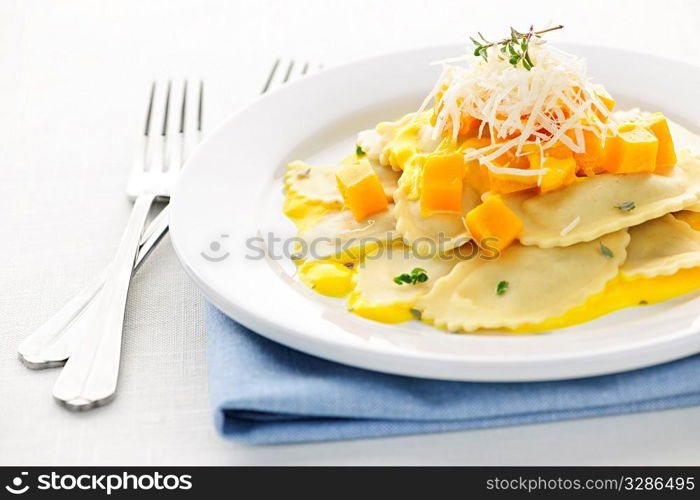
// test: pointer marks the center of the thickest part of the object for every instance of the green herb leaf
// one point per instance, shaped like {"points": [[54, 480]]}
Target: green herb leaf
{"points": [[417, 275], [517, 46], [502, 287], [514, 35], [416, 313], [626, 206], [606, 251], [358, 151]]}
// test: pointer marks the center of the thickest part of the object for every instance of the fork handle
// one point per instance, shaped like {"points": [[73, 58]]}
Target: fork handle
{"points": [[52, 343], [90, 375]]}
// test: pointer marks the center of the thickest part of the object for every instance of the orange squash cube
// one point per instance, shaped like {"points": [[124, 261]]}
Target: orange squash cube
{"points": [[656, 123], [592, 160], [632, 150], [493, 219], [559, 150], [469, 125], [361, 189], [560, 164], [442, 184], [560, 173], [605, 98]]}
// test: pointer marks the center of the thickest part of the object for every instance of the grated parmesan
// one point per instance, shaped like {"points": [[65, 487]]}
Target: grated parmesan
{"points": [[553, 102], [571, 226]]}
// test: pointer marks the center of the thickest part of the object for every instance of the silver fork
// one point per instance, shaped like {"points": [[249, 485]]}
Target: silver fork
{"points": [[284, 71], [51, 344], [89, 378]]}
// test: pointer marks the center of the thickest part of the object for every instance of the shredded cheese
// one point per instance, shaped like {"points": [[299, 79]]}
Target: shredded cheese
{"points": [[571, 226], [553, 102]]}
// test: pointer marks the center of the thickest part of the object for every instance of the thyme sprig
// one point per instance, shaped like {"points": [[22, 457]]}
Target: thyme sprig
{"points": [[418, 275], [626, 206], [606, 251], [515, 49]]}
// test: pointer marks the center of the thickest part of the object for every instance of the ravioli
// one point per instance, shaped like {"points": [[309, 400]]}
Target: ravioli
{"points": [[620, 293], [539, 283], [589, 208], [337, 234], [434, 232], [376, 295], [318, 185], [661, 247]]}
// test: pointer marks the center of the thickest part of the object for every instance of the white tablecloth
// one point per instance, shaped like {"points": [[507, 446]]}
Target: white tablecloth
{"points": [[73, 81]]}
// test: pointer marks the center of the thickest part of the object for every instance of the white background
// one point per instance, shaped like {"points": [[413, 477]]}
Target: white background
{"points": [[73, 82]]}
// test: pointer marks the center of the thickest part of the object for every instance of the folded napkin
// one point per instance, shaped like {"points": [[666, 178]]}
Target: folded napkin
{"points": [[264, 392]]}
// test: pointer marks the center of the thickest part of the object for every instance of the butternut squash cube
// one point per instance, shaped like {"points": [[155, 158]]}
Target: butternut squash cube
{"points": [[559, 150], [469, 125], [493, 219], [632, 150], [361, 189], [560, 164], [442, 184], [592, 160], [560, 173], [605, 98], [657, 124]]}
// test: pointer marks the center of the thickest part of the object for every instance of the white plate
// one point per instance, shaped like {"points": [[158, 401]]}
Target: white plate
{"points": [[232, 186]]}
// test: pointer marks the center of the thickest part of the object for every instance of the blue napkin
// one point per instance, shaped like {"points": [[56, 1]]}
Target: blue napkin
{"points": [[263, 392]]}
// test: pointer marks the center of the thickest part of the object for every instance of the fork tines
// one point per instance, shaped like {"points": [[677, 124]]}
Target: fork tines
{"points": [[284, 71], [173, 126]]}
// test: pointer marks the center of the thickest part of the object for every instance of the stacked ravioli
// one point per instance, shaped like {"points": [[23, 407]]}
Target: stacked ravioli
{"points": [[529, 239]]}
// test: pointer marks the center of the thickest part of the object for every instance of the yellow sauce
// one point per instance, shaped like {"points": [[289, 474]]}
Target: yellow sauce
{"points": [[622, 292], [303, 213], [327, 277], [398, 312]]}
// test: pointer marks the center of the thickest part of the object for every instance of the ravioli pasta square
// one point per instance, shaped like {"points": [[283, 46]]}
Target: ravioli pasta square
{"points": [[592, 205], [338, 234], [540, 283], [661, 247], [376, 295], [425, 233]]}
